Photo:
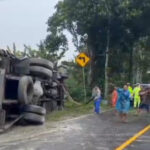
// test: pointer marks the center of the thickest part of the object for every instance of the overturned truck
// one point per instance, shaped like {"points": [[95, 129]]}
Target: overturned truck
{"points": [[29, 88]]}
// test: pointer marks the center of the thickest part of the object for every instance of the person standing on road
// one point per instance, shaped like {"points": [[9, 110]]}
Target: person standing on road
{"points": [[96, 95], [123, 103], [145, 100], [114, 97], [136, 95]]}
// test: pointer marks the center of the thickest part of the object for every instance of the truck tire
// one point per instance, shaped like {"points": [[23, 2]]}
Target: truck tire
{"points": [[34, 109], [41, 62], [40, 72], [34, 118], [25, 90]]}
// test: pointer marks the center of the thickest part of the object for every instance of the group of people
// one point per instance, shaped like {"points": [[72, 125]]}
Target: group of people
{"points": [[123, 99]]}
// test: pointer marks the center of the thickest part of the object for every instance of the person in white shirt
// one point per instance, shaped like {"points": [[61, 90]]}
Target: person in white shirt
{"points": [[96, 95]]}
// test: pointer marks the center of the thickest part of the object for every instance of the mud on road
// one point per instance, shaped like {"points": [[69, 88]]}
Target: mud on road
{"points": [[90, 132]]}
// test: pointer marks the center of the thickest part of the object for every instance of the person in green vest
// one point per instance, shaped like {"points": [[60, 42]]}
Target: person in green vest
{"points": [[130, 89], [136, 94]]}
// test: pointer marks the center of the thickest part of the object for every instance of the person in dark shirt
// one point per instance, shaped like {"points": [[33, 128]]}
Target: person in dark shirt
{"points": [[145, 97]]}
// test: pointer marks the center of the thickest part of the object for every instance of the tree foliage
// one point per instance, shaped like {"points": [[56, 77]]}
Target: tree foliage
{"points": [[119, 29]]}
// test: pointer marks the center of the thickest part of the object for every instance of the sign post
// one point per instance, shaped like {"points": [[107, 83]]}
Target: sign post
{"points": [[82, 60], [83, 72]]}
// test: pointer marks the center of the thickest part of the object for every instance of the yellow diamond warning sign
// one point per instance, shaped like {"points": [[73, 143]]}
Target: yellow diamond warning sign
{"points": [[82, 59]]}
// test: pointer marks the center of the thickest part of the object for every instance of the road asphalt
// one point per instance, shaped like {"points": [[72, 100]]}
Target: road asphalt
{"points": [[91, 132]]}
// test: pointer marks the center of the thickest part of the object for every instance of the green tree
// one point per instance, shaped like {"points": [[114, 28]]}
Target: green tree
{"points": [[112, 27]]}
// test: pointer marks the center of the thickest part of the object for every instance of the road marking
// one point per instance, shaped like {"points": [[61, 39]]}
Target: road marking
{"points": [[134, 138]]}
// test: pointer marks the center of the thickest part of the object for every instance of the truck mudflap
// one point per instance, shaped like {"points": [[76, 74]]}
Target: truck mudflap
{"points": [[7, 126], [2, 118]]}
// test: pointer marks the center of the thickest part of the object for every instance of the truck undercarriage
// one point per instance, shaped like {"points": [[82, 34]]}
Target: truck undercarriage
{"points": [[29, 88]]}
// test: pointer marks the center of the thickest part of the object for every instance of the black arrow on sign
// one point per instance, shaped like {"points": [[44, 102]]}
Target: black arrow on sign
{"points": [[82, 58]]}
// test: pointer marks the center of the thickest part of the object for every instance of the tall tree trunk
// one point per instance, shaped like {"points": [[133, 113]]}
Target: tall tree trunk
{"points": [[130, 66], [106, 65], [138, 75], [90, 50], [134, 67], [137, 71]]}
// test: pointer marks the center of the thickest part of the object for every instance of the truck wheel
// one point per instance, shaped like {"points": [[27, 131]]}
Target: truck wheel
{"points": [[40, 72], [41, 62], [25, 90], [34, 118], [34, 109]]}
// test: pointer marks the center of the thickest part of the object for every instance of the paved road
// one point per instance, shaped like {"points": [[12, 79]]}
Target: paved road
{"points": [[103, 132]]}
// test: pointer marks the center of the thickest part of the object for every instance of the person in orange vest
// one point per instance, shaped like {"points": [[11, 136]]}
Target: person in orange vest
{"points": [[114, 97]]}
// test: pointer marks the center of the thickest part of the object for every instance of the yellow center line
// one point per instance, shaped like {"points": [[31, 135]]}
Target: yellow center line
{"points": [[134, 138]]}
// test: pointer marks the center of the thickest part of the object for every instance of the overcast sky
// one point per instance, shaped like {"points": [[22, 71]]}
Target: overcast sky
{"points": [[24, 22]]}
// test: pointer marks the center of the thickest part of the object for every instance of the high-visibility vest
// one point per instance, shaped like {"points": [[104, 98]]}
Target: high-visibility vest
{"points": [[136, 91], [130, 90]]}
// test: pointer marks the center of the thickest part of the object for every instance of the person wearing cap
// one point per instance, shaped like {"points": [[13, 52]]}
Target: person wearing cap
{"points": [[136, 95]]}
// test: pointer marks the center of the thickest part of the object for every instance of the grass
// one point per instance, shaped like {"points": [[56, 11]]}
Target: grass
{"points": [[73, 110], [132, 111]]}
